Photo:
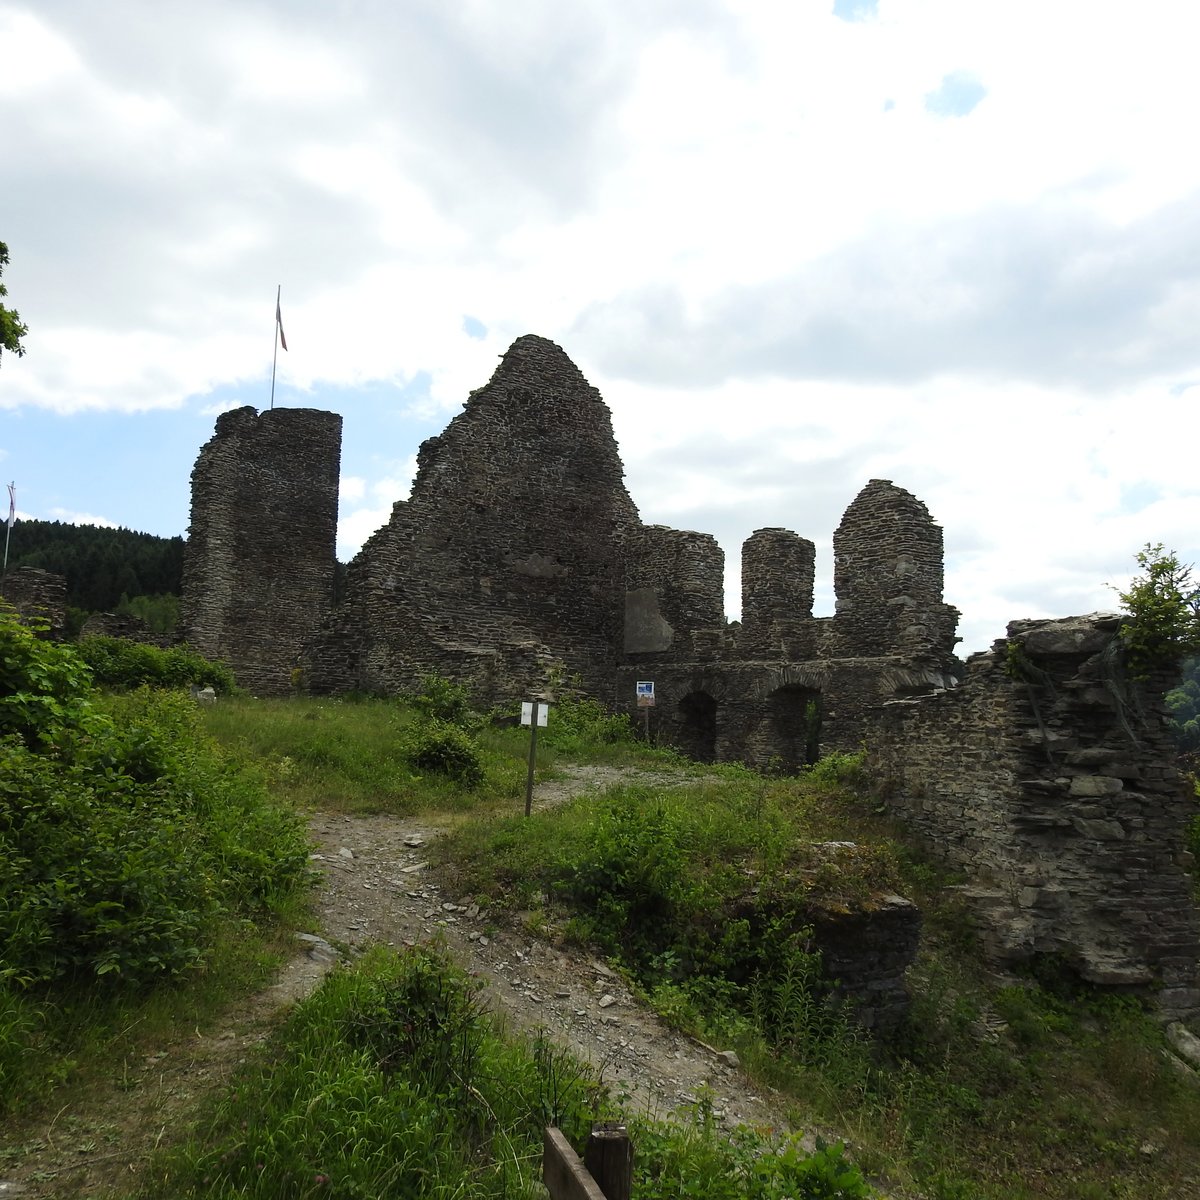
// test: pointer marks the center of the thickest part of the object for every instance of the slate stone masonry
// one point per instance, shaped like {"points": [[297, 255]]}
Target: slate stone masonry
{"points": [[258, 564], [1048, 777]]}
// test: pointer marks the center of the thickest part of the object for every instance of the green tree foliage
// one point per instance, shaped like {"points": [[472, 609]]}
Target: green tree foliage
{"points": [[160, 614], [1163, 607], [11, 328], [1184, 704], [101, 566]]}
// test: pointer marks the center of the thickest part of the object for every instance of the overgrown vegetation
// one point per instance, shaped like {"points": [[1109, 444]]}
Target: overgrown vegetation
{"points": [[393, 1080], [698, 892], [122, 664], [127, 842]]}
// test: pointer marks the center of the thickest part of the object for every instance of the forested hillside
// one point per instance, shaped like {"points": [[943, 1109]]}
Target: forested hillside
{"points": [[101, 565], [1184, 703]]}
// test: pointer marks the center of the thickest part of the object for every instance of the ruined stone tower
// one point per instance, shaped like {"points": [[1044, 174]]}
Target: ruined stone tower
{"points": [[887, 576], [258, 566]]}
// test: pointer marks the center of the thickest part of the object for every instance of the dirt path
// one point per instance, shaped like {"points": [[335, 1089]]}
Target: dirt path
{"points": [[375, 887]]}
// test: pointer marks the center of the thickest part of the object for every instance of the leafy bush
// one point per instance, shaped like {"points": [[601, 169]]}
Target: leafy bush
{"points": [[118, 860], [120, 663], [446, 702], [838, 769], [43, 685], [123, 835], [437, 746]]}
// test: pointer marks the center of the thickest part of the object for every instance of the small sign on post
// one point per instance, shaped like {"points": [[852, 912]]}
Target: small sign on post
{"points": [[534, 714], [645, 701]]}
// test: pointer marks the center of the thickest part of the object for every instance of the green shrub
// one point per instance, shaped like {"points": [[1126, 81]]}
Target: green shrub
{"points": [[446, 702], [44, 686], [120, 663], [838, 769], [119, 860], [446, 749]]}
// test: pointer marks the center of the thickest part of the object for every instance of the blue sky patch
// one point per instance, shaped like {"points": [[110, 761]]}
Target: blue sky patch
{"points": [[855, 10], [473, 327], [959, 93]]}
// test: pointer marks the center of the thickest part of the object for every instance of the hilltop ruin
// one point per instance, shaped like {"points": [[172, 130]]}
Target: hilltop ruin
{"points": [[1052, 788]]}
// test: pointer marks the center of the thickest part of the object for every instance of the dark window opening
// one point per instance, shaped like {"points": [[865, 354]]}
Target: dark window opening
{"points": [[697, 737]]}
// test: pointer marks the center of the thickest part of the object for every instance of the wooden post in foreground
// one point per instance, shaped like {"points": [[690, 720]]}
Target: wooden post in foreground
{"points": [[563, 1173], [608, 1157], [608, 1174]]}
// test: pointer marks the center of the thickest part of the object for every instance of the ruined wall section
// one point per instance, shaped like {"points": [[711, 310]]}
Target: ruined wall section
{"points": [[38, 595], [509, 552], [675, 594], [1053, 789], [259, 560], [888, 578], [778, 571]]}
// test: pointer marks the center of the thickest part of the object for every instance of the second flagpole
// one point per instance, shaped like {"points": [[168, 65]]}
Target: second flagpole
{"points": [[275, 346]]}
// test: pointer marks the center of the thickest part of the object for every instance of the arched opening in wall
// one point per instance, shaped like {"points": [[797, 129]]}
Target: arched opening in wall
{"points": [[795, 721], [697, 733]]}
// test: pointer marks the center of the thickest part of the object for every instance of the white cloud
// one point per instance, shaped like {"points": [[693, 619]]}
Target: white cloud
{"points": [[80, 518], [785, 275]]}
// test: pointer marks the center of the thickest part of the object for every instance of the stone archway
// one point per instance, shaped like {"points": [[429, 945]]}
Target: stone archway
{"points": [[696, 734], [794, 723]]}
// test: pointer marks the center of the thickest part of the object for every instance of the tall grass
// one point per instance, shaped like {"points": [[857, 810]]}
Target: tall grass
{"points": [[392, 1080], [351, 755]]}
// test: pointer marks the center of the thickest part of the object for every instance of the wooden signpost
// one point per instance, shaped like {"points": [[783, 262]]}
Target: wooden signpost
{"points": [[534, 713]]}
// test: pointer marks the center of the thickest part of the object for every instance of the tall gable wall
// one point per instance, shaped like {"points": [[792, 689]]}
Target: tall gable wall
{"points": [[509, 552], [887, 577]]}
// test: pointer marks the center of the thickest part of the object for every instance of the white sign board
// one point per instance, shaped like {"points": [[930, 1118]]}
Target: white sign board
{"points": [[527, 713], [645, 693]]}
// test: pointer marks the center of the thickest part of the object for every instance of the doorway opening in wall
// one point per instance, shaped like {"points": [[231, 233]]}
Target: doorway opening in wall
{"points": [[697, 734], [795, 716]]}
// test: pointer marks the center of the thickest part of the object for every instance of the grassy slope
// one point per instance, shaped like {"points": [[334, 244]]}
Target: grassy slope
{"points": [[993, 1091], [1018, 1089]]}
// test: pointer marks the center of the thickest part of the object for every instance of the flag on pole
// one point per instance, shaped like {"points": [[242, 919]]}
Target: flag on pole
{"points": [[279, 322], [12, 505]]}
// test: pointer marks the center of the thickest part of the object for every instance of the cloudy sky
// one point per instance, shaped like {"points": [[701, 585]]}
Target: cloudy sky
{"points": [[797, 244]]}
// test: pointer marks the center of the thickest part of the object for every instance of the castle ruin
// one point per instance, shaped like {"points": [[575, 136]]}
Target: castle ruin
{"points": [[519, 555]]}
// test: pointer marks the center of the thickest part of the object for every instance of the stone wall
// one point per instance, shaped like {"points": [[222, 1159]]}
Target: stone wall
{"points": [[37, 595], [259, 561], [125, 626], [1046, 776], [509, 554], [674, 591]]}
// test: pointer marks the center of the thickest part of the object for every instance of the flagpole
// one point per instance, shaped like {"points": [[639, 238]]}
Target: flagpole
{"points": [[275, 348], [12, 505]]}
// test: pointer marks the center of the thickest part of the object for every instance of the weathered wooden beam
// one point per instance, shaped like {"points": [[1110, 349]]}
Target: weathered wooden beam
{"points": [[563, 1173]]}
